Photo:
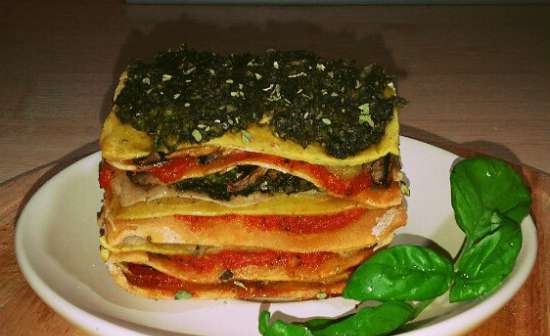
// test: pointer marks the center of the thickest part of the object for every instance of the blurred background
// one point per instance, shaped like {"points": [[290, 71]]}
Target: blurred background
{"points": [[477, 76]]}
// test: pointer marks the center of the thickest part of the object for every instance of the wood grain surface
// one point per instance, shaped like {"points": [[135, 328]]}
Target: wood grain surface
{"points": [[23, 313]]}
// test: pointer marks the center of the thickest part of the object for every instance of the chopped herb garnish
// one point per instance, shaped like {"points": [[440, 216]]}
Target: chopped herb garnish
{"points": [[405, 190], [321, 295], [183, 295], [182, 88], [189, 71], [197, 135], [246, 136], [364, 115], [299, 74]]}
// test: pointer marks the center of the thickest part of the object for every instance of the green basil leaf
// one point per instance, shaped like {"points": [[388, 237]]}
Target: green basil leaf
{"points": [[320, 323], [280, 328], [484, 266], [403, 272], [371, 321], [368, 321], [483, 192]]}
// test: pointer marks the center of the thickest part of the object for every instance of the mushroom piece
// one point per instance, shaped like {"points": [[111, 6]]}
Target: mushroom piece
{"points": [[247, 180]]}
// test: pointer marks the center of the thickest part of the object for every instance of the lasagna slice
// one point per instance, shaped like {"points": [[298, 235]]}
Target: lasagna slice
{"points": [[260, 177]]}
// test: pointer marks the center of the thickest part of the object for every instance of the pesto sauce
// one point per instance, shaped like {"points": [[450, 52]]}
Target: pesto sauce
{"points": [[216, 185], [189, 96]]}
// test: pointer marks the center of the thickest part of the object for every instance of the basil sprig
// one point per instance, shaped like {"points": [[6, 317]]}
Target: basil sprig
{"points": [[483, 193], [489, 200], [403, 272]]}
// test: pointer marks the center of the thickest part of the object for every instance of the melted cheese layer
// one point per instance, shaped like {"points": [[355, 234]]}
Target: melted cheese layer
{"points": [[306, 203]]}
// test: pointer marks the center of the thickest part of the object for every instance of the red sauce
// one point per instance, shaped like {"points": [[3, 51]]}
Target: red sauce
{"points": [[359, 183], [236, 259], [173, 170], [148, 277], [288, 223], [106, 173], [143, 276], [176, 169]]}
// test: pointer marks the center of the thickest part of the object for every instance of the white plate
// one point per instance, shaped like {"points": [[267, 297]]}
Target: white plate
{"points": [[57, 250]]}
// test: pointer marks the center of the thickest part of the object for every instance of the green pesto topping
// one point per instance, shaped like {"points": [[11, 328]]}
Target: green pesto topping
{"points": [[188, 96]]}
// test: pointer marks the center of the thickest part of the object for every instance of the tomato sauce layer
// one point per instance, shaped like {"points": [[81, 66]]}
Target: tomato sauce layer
{"points": [[288, 223], [149, 278], [237, 259], [178, 168], [106, 174]]}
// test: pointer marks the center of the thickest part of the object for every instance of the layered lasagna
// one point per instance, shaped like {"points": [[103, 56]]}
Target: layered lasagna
{"points": [[262, 177]]}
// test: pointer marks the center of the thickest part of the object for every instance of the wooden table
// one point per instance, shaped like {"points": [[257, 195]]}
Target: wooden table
{"points": [[477, 79]]}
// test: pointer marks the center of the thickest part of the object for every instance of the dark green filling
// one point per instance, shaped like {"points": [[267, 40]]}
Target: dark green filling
{"points": [[217, 185], [187, 96]]}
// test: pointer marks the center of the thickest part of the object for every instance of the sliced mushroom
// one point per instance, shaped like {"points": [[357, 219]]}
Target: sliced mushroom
{"points": [[247, 180], [380, 171], [148, 160], [195, 151], [142, 179]]}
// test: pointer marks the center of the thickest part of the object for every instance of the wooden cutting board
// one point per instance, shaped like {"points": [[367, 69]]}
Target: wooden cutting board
{"points": [[22, 312]]}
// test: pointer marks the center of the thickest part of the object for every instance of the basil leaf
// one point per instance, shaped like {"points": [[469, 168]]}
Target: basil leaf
{"points": [[483, 192], [280, 328], [403, 272], [484, 266], [369, 321], [321, 323]]}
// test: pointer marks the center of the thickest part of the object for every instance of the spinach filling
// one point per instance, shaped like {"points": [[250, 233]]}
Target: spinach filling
{"points": [[244, 180], [187, 96]]}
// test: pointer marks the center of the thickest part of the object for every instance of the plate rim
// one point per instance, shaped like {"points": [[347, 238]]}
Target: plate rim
{"points": [[479, 312]]}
